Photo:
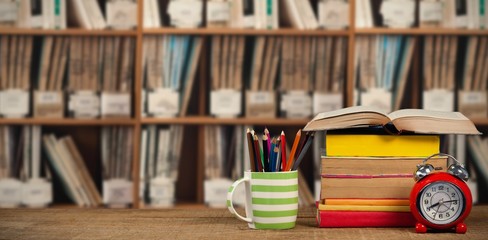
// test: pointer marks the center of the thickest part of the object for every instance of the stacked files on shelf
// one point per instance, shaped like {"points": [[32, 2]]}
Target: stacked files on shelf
{"points": [[390, 13], [16, 53], [34, 14], [117, 155], [224, 162], [472, 98], [439, 72], [119, 14], [24, 178], [69, 165], [382, 65], [333, 14], [170, 65], [243, 14], [453, 14], [160, 157], [367, 172]]}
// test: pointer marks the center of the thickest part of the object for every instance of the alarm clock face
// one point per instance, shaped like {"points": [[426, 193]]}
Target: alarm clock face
{"points": [[441, 202]]}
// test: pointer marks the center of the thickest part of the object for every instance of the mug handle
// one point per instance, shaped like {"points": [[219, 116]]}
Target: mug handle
{"points": [[230, 204]]}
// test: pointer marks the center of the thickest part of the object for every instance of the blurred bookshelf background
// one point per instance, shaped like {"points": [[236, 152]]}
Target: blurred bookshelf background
{"points": [[121, 103]]}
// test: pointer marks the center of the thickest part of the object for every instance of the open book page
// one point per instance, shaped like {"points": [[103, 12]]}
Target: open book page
{"points": [[358, 116], [426, 113], [432, 122]]}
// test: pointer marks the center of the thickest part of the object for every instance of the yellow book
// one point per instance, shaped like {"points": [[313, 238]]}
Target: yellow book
{"points": [[363, 208], [381, 145]]}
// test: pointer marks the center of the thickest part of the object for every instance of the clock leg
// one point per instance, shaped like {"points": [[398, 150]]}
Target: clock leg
{"points": [[420, 228], [461, 228]]}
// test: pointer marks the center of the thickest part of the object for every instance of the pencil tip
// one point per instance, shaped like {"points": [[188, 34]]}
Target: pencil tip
{"points": [[282, 133]]}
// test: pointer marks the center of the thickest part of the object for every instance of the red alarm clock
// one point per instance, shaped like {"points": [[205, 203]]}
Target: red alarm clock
{"points": [[440, 200]]}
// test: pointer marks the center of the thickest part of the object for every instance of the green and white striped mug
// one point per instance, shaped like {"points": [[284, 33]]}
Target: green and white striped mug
{"points": [[271, 199]]}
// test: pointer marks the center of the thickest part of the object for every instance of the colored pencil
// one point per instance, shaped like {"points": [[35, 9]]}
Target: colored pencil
{"points": [[278, 156], [283, 151], [289, 164], [269, 138], [303, 152], [265, 155], [257, 153], [250, 147], [272, 157]]}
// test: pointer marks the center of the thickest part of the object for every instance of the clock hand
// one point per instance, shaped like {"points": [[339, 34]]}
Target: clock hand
{"points": [[437, 210]]}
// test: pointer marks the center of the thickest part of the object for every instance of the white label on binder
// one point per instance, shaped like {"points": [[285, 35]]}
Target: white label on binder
{"points": [[225, 103], [85, 103], [37, 193], [48, 98], [121, 14], [117, 191], [430, 11], [438, 100], [473, 98], [164, 102], [14, 103], [215, 191], [162, 188], [377, 97], [261, 97], [10, 192], [324, 102], [296, 104], [185, 13], [162, 191], [218, 11], [117, 104], [8, 11]]}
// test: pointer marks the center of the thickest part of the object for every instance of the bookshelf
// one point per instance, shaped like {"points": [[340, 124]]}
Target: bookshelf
{"points": [[190, 189]]}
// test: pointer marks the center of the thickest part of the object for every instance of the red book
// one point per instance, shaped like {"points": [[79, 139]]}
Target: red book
{"points": [[343, 219]]}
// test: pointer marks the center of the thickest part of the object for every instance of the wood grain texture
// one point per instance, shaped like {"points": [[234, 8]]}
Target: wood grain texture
{"points": [[193, 223]]}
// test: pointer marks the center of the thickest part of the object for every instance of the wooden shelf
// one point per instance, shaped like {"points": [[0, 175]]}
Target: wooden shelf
{"points": [[420, 31], [69, 32], [236, 31], [226, 121], [67, 121]]}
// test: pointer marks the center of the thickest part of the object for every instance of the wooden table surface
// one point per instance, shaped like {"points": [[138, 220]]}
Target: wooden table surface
{"points": [[193, 223]]}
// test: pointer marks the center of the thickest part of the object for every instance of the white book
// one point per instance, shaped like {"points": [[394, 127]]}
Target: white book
{"points": [[473, 14], [292, 15], [143, 159], [26, 147], [59, 18], [80, 15], [95, 14], [461, 14], [156, 17], [275, 15], [248, 13], [47, 14], [36, 152], [147, 18], [23, 14], [307, 15], [66, 176], [259, 14], [121, 14]]}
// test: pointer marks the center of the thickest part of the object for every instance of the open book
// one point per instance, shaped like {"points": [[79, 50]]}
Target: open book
{"points": [[410, 120]]}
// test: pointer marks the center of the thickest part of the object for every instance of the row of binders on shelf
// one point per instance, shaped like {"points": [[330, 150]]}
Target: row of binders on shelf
{"points": [[225, 159], [257, 14], [259, 70], [453, 72], [94, 74], [31, 161], [431, 14], [60, 14]]}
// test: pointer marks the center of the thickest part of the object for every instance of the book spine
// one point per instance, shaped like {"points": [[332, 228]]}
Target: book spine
{"points": [[343, 219]]}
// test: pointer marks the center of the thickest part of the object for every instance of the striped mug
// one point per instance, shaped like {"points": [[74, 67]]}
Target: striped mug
{"points": [[271, 199]]}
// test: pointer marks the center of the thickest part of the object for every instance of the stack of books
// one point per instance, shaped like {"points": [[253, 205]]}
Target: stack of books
{"points": [[367, 179], [366, 173]]}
